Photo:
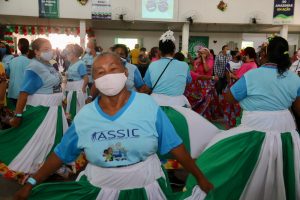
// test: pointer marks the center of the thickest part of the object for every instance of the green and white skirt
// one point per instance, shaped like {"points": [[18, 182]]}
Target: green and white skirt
{"points": [[142, 181], [194, 130], [165, 100], [75, 97], [24, 149], [260, 159]]}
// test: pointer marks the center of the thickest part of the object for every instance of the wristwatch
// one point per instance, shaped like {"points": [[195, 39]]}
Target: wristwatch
{"points": [[31, 181]]}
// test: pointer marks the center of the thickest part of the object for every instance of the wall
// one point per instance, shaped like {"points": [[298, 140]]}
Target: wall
{"points": [[205, 11], [150, 39], [67, 8]]}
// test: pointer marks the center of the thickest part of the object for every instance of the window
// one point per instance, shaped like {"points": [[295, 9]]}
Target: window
{"points": [[247, 44], [129, 42]]}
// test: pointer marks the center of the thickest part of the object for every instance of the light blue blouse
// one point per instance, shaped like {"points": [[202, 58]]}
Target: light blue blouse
{"points": [[134, 80], [263, 89], [76, 71], [41, 79], [174, 79], [6, 60], [137, 131], [15, 71]]}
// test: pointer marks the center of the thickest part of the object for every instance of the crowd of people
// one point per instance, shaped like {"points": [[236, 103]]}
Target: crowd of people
{"points": [[124, 112]]}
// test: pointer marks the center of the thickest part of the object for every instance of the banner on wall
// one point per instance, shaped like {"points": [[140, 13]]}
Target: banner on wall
{"points": [[283, 11], [48, 8], [101, 9], [195, 42]]}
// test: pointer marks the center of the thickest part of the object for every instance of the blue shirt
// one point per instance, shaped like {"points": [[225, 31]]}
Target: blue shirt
{"points": [[77, 71], [134, 80], [6, 60], [135, 132], [15, 71], [263, 89], [174, 79], [88, 59], [41, 79]]}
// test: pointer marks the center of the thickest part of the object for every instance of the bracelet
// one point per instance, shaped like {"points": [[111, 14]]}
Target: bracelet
{"points": [[31, 181], [18, 115], [91, 97]]}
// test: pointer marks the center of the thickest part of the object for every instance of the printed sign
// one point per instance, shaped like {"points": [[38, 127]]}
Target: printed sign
{"points": [[283, 11], [101, 9], [48, 8]]}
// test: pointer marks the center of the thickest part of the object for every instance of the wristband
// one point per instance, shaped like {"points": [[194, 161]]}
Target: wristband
{"points": [[31, 181], [18, 115], [91, 97]]}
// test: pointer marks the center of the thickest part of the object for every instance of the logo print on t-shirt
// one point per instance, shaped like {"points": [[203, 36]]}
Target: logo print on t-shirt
{"points": [[115, 134], [115, 153]]}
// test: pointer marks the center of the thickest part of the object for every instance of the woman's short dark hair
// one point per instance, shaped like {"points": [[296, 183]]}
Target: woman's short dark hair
{"points": [[8, 52], [179, 56], [23, 45], [277, 53], [167, 47], [250, 51], [122, 46], [234, 53], [153, 52]]}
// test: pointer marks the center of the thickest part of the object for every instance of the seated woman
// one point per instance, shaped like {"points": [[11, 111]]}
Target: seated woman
{"points": [[120, 133], [201, 92], [25, 147], [77, 80], [260, 158]]}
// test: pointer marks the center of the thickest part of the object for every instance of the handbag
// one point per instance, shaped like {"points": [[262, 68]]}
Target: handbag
{"points": [[160, 76]]}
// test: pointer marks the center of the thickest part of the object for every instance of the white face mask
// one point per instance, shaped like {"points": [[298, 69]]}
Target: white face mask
{"points": [[228, 52], [88, 50], [111, 84], [48, 55]]}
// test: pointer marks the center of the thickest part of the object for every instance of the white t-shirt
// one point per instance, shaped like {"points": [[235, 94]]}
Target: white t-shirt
{"points": [[295, 67]]}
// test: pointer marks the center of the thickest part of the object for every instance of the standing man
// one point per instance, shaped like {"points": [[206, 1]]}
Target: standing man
{"points": [[135, 54], [16, 69], [220, 66], [88, 59]]}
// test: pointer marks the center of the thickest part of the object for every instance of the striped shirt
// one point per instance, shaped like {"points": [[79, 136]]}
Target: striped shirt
{"points": [[220, 64]]}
